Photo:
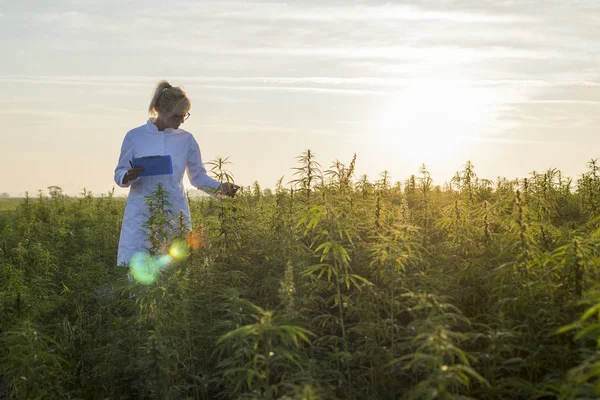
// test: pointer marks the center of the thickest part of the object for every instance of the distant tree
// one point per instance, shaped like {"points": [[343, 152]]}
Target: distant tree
{"points": [[4, 195], [55, 191]]}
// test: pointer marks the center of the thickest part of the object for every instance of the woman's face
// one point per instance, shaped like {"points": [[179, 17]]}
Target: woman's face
{"points": [[173, 120]]}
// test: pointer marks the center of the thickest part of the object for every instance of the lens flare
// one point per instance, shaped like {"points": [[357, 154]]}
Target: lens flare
{"points": [[196, 239], [164, 261], [143, 268], [179, 250]]}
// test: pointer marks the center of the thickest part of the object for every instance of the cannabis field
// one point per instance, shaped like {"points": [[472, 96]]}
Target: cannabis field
{"points": [[329, 286]]}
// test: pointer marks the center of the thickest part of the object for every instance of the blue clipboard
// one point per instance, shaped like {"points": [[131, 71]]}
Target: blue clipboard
{"points": [[154, 165]]}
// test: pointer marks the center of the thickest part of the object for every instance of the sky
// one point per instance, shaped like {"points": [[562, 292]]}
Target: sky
{"points": [[512, 86]]}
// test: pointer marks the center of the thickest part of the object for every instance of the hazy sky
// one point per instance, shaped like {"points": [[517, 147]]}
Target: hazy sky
{"points": [[513, 86]]}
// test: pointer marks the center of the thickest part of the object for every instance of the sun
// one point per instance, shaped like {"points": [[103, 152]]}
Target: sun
{"points": [[433, 121]]}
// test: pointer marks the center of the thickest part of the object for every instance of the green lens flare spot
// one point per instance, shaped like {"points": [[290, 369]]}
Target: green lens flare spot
{"points": [[144, 269], [164, 261]]}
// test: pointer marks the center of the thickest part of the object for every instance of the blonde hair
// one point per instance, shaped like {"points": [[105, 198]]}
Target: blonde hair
{"points": [[169, 100]]}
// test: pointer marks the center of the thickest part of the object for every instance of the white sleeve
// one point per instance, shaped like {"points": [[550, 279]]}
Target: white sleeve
{"points": [[196, 171], [123, 165]]}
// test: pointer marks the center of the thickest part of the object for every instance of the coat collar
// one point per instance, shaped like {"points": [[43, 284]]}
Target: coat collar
{"points": [[154, 129]]}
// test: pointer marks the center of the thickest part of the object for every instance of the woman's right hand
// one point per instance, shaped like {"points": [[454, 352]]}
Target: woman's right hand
{"points": [[131, 174]]}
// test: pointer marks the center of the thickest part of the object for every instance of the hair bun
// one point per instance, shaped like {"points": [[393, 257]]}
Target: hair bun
{"points": [[168, 101]]}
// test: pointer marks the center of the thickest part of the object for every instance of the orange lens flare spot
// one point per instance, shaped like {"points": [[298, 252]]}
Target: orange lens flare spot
{"points": [[196, 239]]}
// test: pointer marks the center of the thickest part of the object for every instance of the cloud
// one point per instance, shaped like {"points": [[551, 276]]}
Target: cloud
{"points": [[558, 101], [358, 12], [448, 54], [298, 82], [513, 141], [329, 36], [38, 113], [132, 82], [69, 19], [270, 129]]}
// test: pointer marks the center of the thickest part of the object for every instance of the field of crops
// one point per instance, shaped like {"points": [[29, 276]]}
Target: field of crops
{"points": [[327, 287], [9, 204]]}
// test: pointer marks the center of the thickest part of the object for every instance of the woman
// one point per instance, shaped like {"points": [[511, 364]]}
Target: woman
{"points": [[161, 135]]}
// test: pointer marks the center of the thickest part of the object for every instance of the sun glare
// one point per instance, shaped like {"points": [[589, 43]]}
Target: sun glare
{"points": [[433, 121]]}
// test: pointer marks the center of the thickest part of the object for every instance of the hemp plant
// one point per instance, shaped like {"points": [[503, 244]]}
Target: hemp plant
{"points": [[159, 225]]}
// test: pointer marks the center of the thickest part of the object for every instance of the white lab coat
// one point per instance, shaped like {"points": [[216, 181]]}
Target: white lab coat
{"points": [[147, 140]]}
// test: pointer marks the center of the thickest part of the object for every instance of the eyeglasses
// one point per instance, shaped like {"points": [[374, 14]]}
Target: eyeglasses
{"points": [[181, 117]]}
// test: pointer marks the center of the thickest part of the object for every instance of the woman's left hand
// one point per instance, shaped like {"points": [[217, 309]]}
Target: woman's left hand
{"points": [[229, 189]]}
